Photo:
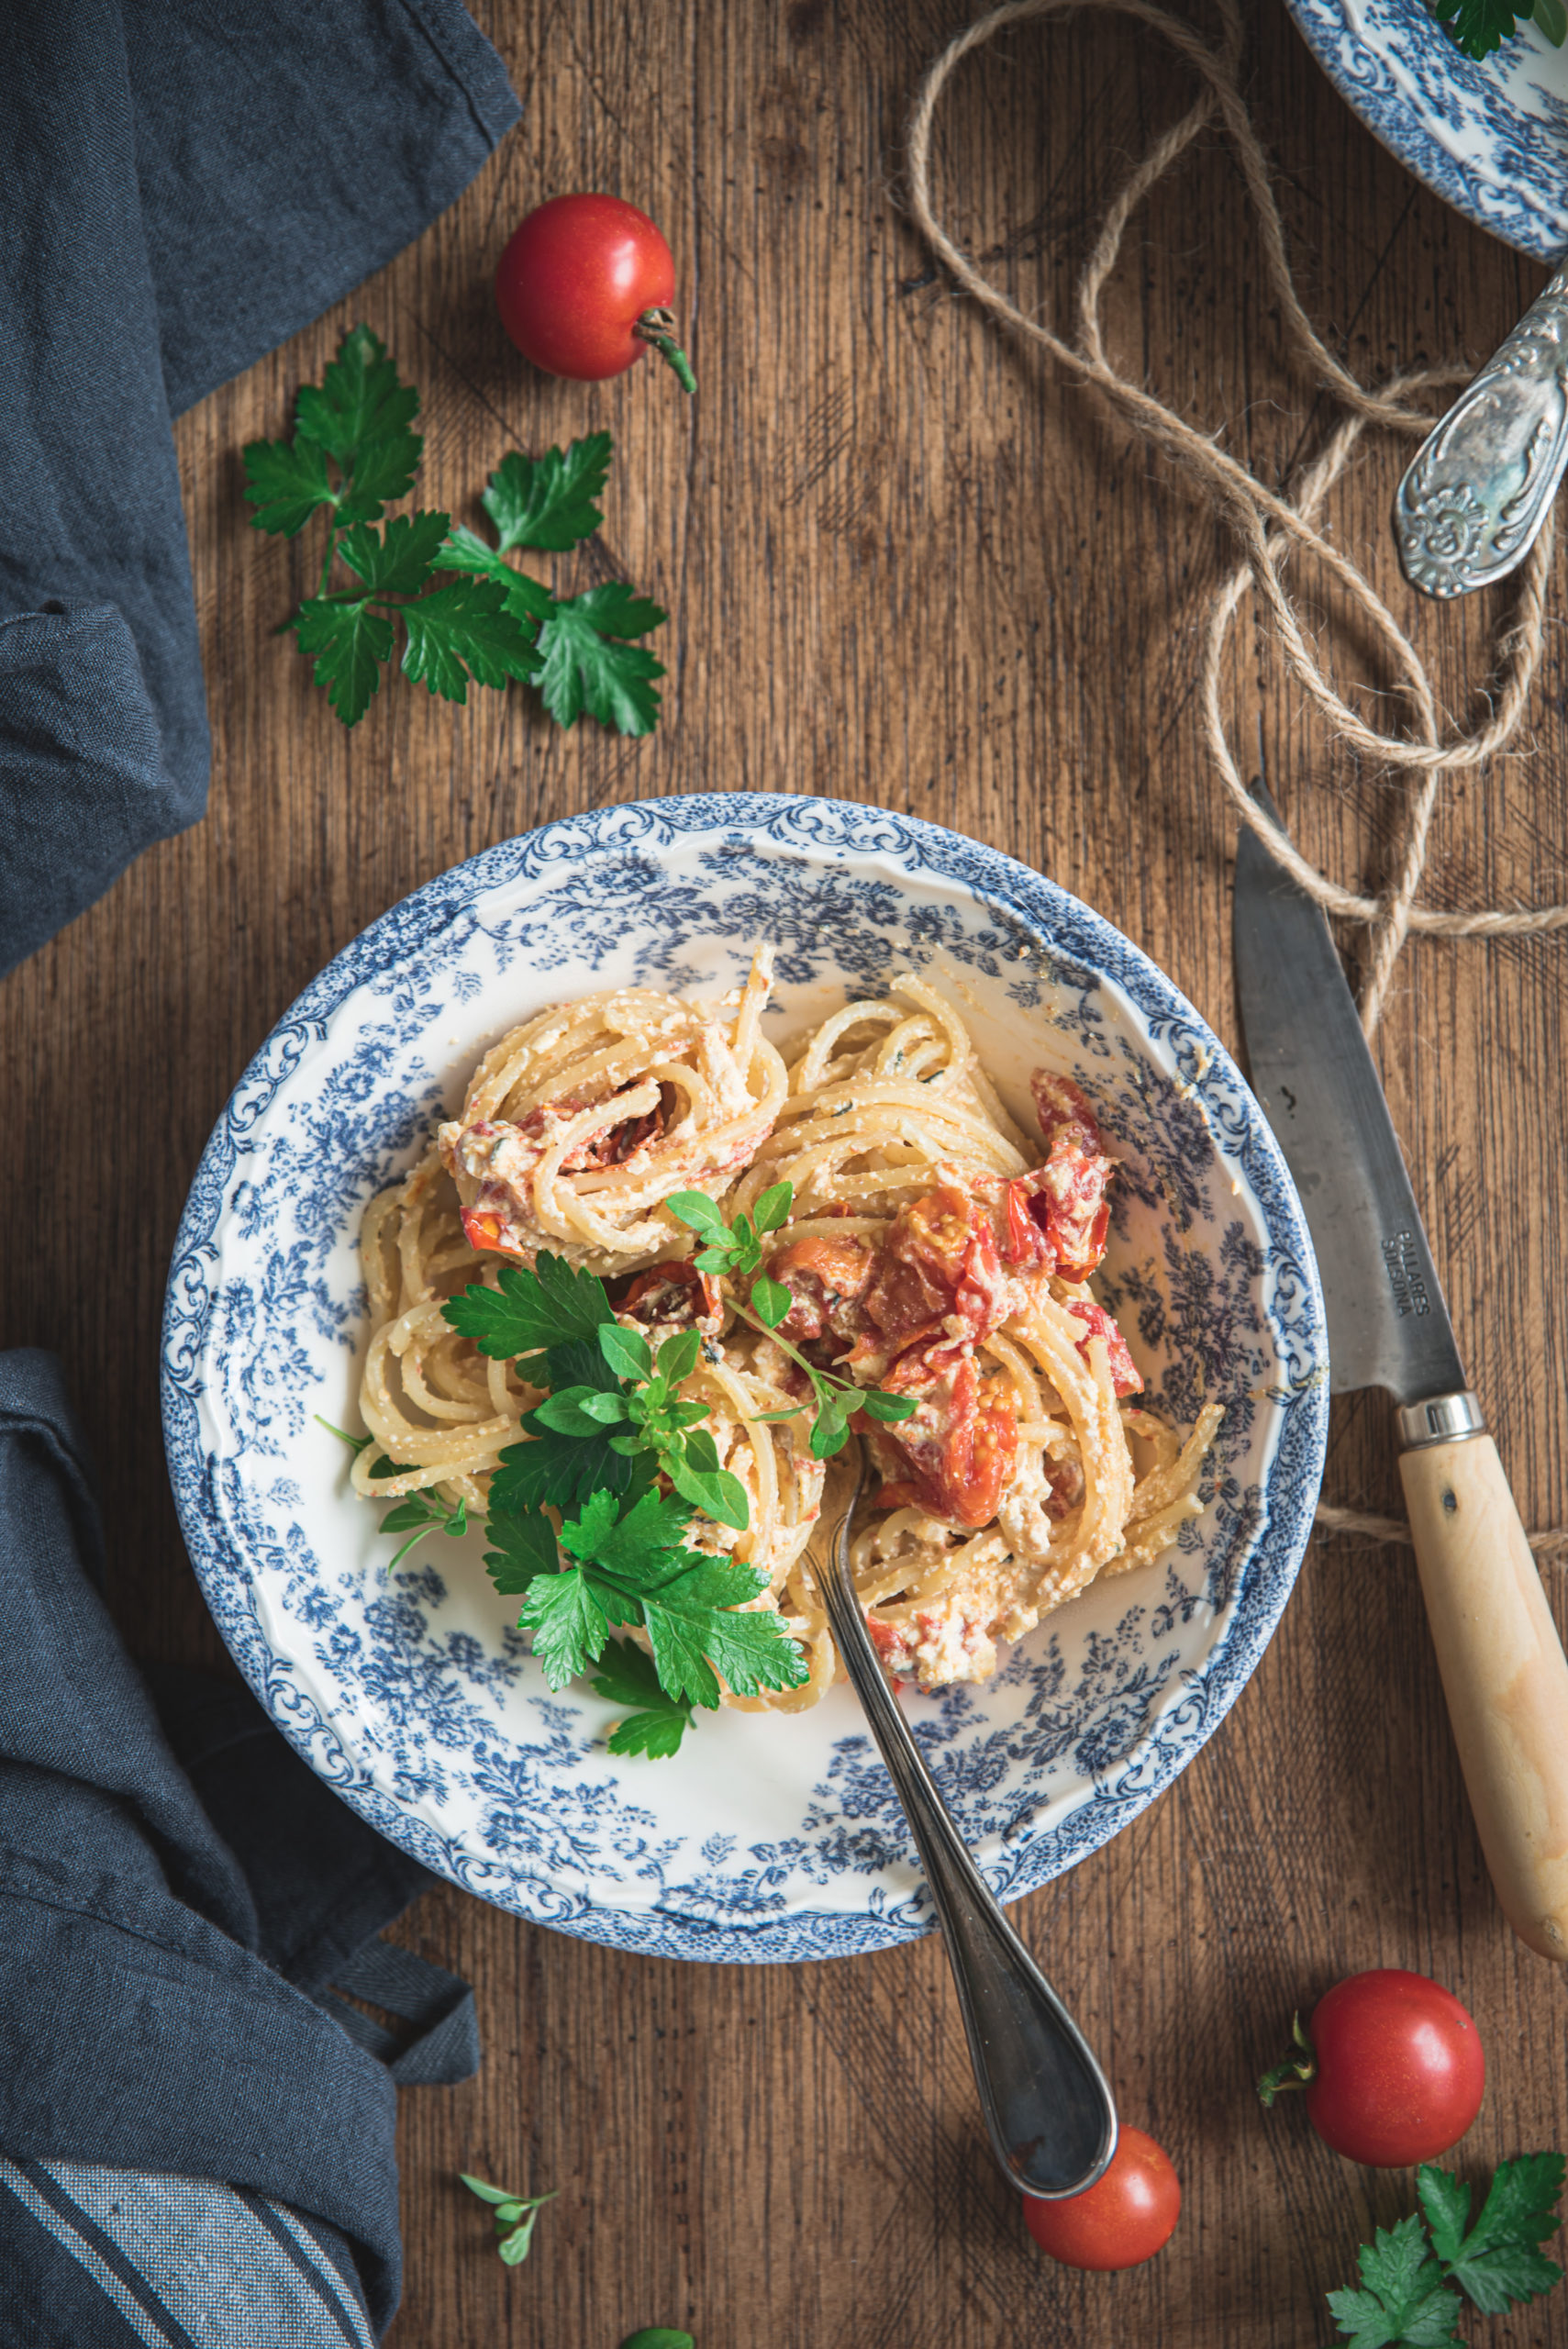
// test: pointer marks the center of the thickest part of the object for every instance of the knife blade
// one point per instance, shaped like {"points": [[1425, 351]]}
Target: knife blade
{"points": [[1502, 1663], [1314, 1074]]}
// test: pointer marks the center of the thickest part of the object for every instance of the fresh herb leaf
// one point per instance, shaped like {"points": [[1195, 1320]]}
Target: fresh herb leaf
{"points": [[721, 1495], [628, 1355], [771, 1301], [644, 1545], [558, 1472], [546, 501], [1404, 2299], [351, 454], [286, 481], [658, 1721], [772, 1209], [515, 2216], [878, 1405], [700, 1214], [524, 1546], [657, 2336], [348, 643], [589, 670], [1408, 2294], [462, 631], [356, 1444], [1496, 2264], [569, 1624], [396, 561], [362, 404], [532, 1309], [525, 599], [1478, 26]]}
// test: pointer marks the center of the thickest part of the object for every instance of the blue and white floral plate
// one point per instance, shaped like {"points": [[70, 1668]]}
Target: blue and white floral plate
{"points": [[413, 1697], [1489, 137]]}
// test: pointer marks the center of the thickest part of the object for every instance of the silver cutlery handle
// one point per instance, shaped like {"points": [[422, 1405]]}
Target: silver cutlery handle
{"points": [[1047, 2109], [1472, 503]]}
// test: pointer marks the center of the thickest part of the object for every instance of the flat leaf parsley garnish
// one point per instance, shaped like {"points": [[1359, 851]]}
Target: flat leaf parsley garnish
{"points": [[354, 451], [735, 1251], [613, 1422], [1478, 26], [1409, 2271]]}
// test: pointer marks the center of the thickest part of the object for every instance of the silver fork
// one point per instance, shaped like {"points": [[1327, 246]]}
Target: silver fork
{"points": [[1047, 2109]]}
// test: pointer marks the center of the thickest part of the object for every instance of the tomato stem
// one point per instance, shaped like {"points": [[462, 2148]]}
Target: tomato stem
{"points": [[657, 327], [1297, 2070]]}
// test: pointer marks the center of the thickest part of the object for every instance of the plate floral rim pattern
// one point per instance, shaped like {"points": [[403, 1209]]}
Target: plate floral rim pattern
{"points": [[738, 1913], [1474, 130]]}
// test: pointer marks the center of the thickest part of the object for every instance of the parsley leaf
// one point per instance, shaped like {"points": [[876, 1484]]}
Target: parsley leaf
{"points": [[533, 1308], [1408, 2295], [1404, 2298], [526, 600], [362, 403], [547, 502], [1478, 26], [398, 560], [1497, 2263], [557, 1472], [285, 481], [353, 451], [349, 642], [590, 671], [569, 1624], [524, 1546], [658, 1721]]}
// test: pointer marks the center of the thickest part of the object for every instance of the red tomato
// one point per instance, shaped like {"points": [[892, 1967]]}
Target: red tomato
{"points": [[1124, 2219], [1400, 2073], [575, 280]]}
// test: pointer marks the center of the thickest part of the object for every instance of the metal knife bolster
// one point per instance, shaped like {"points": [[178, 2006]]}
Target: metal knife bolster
{"points": [[1442, 1418]]}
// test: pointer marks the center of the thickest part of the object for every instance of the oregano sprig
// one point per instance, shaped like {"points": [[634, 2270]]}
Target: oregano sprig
{"points": [[515, 2216], [1478, 26], [423, 1511], [735, 1251]]}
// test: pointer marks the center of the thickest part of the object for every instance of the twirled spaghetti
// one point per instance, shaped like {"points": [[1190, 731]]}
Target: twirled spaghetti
{"points": [[932, 1249]]}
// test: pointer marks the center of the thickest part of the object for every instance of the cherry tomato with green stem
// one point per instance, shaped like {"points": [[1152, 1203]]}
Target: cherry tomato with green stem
{"points": [[585, 288], [1124, 2217], [1391, 2066]]}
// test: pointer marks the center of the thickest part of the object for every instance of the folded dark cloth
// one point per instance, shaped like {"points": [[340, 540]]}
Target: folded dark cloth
{"points": [[179, 1894], [183, 187]]}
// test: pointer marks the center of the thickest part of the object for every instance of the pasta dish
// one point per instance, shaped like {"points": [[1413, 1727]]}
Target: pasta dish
{"points": [[932, 1253]]}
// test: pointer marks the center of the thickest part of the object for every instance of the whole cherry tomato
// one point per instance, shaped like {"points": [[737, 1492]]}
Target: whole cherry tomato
{"points": [[1392, 2067], [585, 286], [1125, 2217]]}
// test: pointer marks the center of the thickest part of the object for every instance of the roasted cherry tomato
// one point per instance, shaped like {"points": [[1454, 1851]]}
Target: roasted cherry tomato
{"points": [[1392, 2068], [1124, 2219], [585, 286]]}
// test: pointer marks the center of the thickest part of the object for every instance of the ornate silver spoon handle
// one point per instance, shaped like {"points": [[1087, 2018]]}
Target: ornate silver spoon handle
{"points": [[1472, 505], [1048, 2110]]}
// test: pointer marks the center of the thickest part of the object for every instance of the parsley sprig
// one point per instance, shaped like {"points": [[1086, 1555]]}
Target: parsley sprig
{"points": [[515, 2216], [352, 452], [1478, 26], [611, 1423], [424, 1511], [1409, 2271], [734, 1250]]}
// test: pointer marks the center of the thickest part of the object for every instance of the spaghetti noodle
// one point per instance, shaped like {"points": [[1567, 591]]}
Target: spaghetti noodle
{"points": [[932, 1249]]}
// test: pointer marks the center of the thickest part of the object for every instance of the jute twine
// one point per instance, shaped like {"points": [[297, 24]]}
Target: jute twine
{"points": [[1270, 526]]}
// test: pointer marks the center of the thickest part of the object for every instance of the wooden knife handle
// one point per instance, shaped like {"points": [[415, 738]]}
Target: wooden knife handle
{"points": [[1504, 1673]]}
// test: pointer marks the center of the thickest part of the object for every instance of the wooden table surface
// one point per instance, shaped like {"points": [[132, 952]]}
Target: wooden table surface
{"points": [[904, 563]]}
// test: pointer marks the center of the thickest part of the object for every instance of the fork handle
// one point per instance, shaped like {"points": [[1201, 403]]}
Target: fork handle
{"points": [[1047, 2109], [1503, 1673]]}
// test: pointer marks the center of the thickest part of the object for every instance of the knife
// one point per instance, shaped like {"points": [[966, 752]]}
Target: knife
{"points": [[1502, 1663]]}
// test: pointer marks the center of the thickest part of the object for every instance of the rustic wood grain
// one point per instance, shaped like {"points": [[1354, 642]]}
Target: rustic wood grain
{"points": [[903, 565]]}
